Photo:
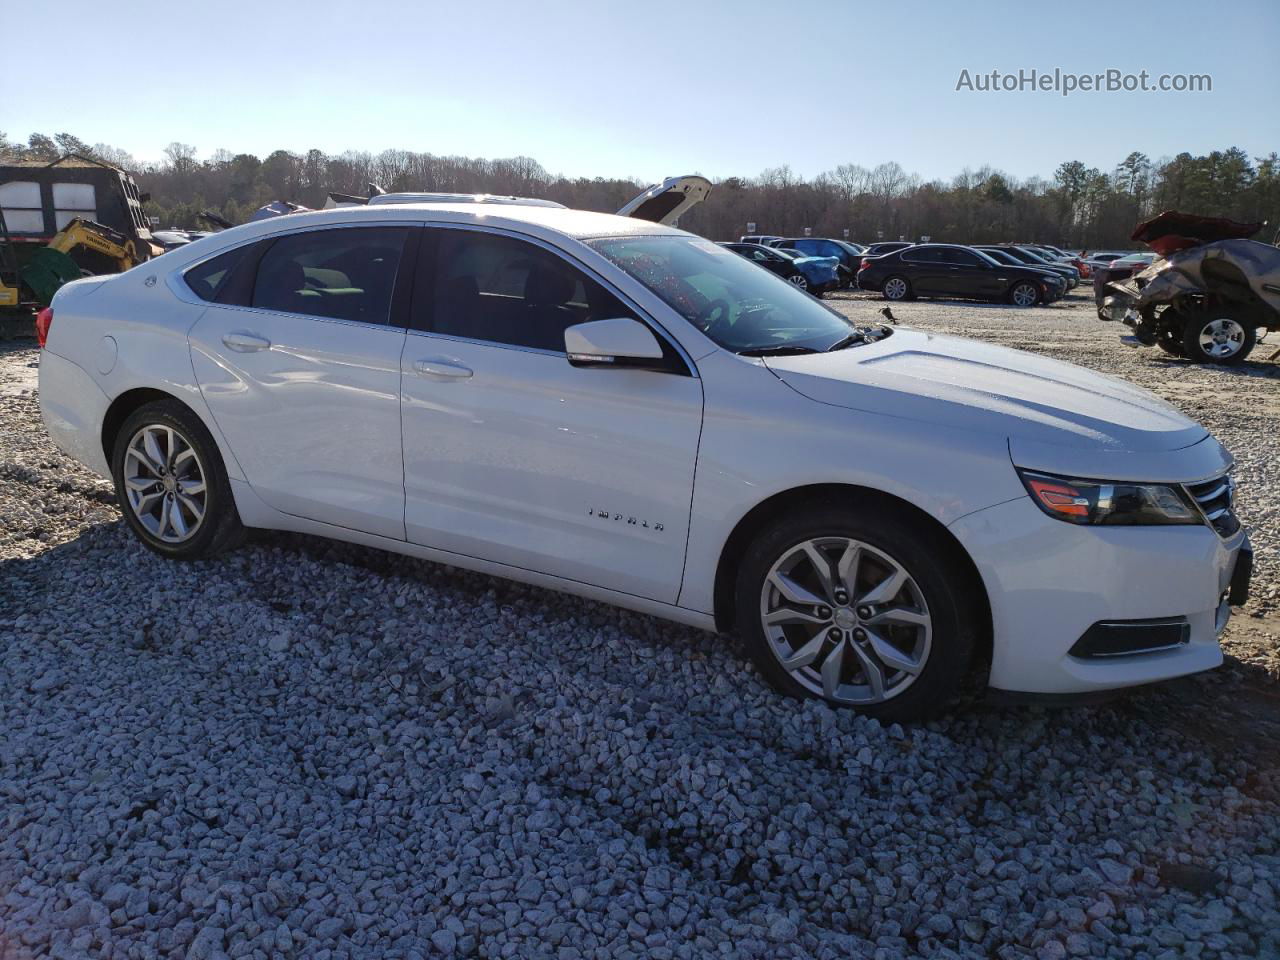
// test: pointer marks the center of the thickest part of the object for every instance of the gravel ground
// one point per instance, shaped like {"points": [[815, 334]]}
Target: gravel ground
{"points": [[311, 750]]}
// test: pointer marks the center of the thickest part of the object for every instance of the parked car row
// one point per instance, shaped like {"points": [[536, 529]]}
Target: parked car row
{"points": [[1020, 273], [998, 273]]}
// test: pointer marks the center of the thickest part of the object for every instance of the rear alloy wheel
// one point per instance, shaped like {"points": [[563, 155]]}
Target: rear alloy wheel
{"points": [[799, 280], [856, 611], [896, 288], [1217, 337], [171, 484], [165, 483], [1024, 294]]}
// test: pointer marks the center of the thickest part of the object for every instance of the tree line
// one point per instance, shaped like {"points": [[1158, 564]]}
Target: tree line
{"points": [[1078, 207]]}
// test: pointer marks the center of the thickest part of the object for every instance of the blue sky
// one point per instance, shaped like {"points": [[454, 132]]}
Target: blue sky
{"points": [[721, 87]]}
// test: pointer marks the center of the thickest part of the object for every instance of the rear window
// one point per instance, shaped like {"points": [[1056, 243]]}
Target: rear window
{"points": [[207, 279]]}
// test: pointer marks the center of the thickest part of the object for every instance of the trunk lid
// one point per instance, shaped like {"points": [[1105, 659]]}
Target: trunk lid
{"points": [[665, 202]]}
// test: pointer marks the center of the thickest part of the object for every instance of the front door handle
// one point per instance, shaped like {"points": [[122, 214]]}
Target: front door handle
{"points": [[246, 342], [442, 369]]}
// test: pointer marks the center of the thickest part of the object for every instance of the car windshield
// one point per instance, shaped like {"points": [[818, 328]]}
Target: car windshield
{"points": [[985, 256], [1040, 258], [1002, 256], [734, 302]]}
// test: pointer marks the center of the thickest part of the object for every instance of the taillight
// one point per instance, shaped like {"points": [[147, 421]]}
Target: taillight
{"points": [[864, 263], [44, 320]]}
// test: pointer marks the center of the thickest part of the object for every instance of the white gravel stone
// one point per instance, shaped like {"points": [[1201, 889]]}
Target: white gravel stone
{"points": [[306, 749]]}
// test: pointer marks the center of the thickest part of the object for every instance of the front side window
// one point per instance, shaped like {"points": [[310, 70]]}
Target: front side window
{"points": [[508, 291], [348, 273], [736, 304], [923, 255]]}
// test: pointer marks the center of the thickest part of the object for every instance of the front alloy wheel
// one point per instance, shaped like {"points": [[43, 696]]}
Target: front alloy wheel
{"points": [[863, 605], [799, 280], [1024, 295], [846, 620]]}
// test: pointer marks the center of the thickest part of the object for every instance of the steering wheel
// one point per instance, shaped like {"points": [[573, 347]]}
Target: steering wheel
{"points": [[718, 309]]}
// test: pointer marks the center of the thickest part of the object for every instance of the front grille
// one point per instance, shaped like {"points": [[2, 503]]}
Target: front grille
{"points": [[1216, 498]]}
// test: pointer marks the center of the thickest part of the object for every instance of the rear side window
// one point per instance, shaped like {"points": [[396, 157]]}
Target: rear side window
{"points": [[347, 273], [209, 278]]}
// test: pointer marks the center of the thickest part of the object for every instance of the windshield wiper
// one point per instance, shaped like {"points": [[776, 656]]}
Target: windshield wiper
{"points": [[777, 350], [848, 341]]}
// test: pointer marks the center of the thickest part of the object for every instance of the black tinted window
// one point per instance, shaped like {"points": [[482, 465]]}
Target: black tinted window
{"points": [[489, 287], [922, 255], [949, 255], [210, 277], [347, 274]]}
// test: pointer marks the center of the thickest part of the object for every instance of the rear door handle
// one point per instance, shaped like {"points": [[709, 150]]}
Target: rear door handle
{"points": [[246, 342], [441, 369]]}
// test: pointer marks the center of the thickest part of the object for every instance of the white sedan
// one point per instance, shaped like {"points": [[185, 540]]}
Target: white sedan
{"points": [[615, 408]]}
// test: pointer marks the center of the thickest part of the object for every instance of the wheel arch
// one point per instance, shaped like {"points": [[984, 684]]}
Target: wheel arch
{"points": [[124, 405], [769, 509]]}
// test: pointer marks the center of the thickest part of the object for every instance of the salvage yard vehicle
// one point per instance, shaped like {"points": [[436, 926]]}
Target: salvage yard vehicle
{"points": [[821, 274], [628, 412], [1114, 271], [775, 261], [65, 218], [948, 270], [1208, 295], [848, 254]]}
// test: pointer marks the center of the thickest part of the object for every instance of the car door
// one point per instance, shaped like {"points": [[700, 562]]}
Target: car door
{"points": [[924, 270], [300, 366], [514, 455], [968, 275]]}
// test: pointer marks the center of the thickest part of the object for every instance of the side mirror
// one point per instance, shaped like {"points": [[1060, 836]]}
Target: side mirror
{"points": [[621, 342]]}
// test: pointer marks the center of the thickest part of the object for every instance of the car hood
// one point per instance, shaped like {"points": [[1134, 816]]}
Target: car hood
{"points": [[817, 261], [956, 383]]}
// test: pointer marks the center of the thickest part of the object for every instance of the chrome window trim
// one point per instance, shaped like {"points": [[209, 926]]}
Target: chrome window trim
{"points": [[177, 283], [645, 317]]}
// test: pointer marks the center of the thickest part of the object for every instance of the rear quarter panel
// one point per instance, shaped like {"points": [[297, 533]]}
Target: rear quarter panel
{"points": [[128, 332]]}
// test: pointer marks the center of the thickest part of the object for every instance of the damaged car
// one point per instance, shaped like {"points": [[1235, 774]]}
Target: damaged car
{"points": [[1209, 296]]}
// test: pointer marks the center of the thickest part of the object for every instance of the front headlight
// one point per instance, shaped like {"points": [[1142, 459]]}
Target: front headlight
{"points": [[1110, 503]]}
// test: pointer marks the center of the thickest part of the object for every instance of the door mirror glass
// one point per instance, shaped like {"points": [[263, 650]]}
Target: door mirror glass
{"points": [[621, 341]]}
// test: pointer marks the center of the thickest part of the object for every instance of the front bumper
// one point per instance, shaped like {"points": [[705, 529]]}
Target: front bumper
{"points": [[1049, 582]]}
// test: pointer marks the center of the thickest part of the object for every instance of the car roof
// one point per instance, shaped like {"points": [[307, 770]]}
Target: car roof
{"points": [[548, 223]]}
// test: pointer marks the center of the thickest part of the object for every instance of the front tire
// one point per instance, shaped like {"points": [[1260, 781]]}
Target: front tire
{"points": [[171, 483], [799, 280], [1024, 294], [856, 607]]}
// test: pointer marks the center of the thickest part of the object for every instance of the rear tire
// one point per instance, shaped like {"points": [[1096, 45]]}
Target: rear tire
{"points": [[919, 636], [896, 288], [171, 484], [1217, 336]]}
